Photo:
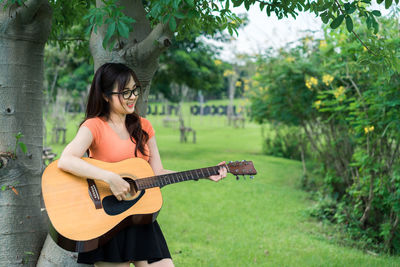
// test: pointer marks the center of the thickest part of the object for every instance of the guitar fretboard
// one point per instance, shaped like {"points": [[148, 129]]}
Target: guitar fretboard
{"points": [[171, 178]]}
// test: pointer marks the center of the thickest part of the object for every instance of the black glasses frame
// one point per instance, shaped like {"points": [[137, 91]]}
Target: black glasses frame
{"points": [[135, 91]]}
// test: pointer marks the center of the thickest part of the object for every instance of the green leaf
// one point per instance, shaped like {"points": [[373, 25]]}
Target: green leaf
{"points": [[23, 147], [123, 29], [337, 21], [179, 15], [109, 34], [376, 26], [19, 135], [351, 10], [349, 23], [172, 24], [388, 3], [325, 19], [379, 1], [247, 4], [237, 3], [376, 13], [3, 188], [190, 2]]}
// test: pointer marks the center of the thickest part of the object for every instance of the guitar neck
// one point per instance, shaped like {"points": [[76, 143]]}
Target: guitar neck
{"points": [[176, 177]]}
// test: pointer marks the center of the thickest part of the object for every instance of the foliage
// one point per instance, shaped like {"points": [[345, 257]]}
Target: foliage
{"points": [[347, 101], [284, 141], [191, 63], [186, 17], [66, 70]]}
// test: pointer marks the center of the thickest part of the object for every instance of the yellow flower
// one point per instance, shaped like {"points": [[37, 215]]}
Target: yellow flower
{"points": [[238, 84], [290, 59], [310, 82], [339, 92], [314, 81], [217, 62], [228, 73], [322, 44], [368, 129], [365, 49], [246, 87], [327, 79], [317, 104]]}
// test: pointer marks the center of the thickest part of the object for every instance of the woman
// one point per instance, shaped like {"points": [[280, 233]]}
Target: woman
{"points": [[112, 131]]}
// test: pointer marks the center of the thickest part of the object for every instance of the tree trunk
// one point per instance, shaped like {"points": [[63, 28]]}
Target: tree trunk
{"points": [[231, 93], [23, 33]]}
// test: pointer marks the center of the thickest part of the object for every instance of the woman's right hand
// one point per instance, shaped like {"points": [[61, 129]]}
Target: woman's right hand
{"points": [[119, 187]]}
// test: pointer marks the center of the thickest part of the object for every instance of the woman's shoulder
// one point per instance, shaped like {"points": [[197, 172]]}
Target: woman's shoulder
{"points": [[95, 124], [94, 121], [146, 126], [144, 121]]}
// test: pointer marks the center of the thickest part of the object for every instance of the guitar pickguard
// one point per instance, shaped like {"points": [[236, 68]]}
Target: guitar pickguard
{"points": [[112, 206]]}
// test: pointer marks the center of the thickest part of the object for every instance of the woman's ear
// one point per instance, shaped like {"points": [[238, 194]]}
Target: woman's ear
{"points": [[105, 98]]}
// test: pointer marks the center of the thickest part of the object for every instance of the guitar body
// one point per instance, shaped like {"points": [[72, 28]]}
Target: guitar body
{"points": [[80, 225]]}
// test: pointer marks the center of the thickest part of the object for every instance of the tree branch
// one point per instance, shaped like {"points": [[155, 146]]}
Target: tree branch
{"points": [[28, 10]]}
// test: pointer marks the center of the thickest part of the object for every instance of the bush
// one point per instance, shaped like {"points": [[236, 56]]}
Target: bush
{"points": [[347, 102]]}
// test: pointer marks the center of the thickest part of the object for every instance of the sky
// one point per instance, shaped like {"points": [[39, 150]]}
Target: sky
{"points": [[263, 32]]}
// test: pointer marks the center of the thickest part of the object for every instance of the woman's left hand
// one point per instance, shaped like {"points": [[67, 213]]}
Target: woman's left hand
{"points": [[222, 172]]}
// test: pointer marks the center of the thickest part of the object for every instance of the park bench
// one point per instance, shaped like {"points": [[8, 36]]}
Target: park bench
{"points": [[238, 121], [57, 132], [185, 131], [48, 155], [170, 122]]}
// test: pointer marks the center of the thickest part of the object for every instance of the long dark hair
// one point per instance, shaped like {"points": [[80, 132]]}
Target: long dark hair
{"points": [[103, 83]]}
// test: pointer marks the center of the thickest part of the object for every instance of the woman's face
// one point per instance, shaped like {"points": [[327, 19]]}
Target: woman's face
{"points": [[119, 104]]}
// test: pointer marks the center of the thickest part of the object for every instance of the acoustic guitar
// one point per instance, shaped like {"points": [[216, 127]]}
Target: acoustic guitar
{"points": [[84, 213]]}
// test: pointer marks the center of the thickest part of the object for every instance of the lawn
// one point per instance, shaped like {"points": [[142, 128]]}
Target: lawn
{"points": [[259, 222]]}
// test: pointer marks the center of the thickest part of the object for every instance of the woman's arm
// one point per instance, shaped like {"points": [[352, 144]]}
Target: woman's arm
{"points": [[155, 159], [156, 165], [70, 161]]}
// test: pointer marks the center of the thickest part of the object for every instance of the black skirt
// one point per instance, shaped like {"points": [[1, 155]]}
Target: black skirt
{"points": [[134, 243]]}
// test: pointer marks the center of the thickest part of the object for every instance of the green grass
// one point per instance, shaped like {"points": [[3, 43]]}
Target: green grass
{"points": [[260, 222]]}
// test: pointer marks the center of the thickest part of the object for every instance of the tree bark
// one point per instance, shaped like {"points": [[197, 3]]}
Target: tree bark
{"points": [[24, 31]]}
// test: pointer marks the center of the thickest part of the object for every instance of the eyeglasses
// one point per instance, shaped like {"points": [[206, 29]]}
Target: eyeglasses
{"points": [[128, 93]]}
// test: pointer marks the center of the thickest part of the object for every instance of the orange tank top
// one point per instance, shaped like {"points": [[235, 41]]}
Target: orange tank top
{"points": [[108, 146]]}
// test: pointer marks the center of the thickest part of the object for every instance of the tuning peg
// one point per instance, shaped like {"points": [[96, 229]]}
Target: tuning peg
{"points": [[251, 177]]}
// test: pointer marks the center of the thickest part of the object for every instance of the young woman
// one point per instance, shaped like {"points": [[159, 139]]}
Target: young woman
{"points": [[112, 131]]}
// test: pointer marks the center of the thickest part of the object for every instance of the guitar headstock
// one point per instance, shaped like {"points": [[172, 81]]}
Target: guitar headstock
{"points": [[241, 168]]}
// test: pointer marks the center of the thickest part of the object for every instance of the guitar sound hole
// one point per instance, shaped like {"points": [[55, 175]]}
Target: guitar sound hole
{"points": [[132, 184]]}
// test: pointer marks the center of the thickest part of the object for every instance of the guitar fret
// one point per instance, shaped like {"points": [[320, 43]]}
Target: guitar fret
{"points": [[202, 173], [183, 176], [197, 174]]}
